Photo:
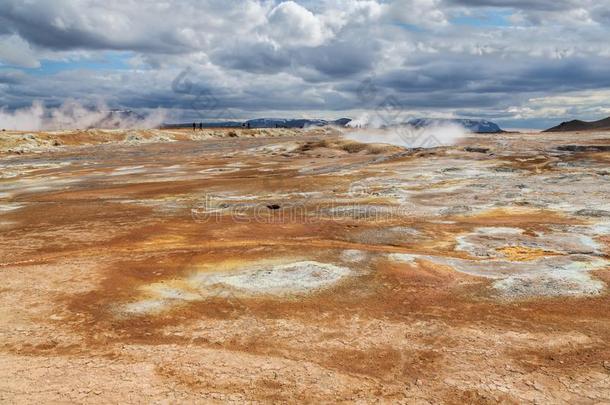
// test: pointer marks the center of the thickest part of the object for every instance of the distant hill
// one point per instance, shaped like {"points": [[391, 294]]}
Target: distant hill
{"points": [[578, 125], [294, 123], [216, 124], [478, 126]]}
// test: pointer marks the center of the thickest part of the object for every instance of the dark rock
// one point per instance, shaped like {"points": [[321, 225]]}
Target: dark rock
{"points": [[476, 149], [273, 206], [504, 169], [593, 213], [584, 148]]}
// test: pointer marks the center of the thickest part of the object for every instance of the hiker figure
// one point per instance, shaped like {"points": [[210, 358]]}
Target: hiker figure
{"points": [[194, 126], [248, 125], [201, 126]]}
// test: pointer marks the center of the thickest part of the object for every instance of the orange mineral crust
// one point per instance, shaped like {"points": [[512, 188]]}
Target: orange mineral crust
{"points": [[291, 266]]}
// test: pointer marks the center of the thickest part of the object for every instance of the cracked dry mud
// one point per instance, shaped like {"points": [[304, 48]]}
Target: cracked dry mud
{"points": [[304, 268]]}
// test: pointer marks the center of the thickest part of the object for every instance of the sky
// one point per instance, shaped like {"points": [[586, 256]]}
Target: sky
{"points": [[522, 64]]}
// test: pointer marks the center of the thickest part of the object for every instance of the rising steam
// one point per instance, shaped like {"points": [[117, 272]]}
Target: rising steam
{"points": [[376, 130], [73, 115]]}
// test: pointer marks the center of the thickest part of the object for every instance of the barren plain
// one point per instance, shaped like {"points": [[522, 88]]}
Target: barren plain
{"points": [[299, 266]]}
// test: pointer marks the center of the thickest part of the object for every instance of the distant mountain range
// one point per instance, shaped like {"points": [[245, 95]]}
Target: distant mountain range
{"points": [[294, 123], [268, 123], [477, 126], [215, 124], [578, 125]]}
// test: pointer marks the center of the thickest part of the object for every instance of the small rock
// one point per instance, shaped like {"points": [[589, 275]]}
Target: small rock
{"points": [[503, 169], [273, 206], [584, 148], [456, 210], [476, 149]]}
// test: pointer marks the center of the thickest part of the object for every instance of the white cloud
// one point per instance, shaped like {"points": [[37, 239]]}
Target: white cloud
{"points": [[583, 105], [426, 13], [290, 24], [17, 52]]}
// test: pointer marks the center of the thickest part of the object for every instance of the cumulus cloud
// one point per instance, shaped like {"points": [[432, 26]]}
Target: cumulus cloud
{"points": [[426, 13], [294, 25]]}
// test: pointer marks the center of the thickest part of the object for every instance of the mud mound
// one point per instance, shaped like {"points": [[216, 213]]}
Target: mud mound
{"points": [[19, 143], [348, 146]]}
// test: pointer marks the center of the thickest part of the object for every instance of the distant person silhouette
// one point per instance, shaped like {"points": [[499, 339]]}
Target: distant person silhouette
{"points": [[201, 126], [194, 126]]}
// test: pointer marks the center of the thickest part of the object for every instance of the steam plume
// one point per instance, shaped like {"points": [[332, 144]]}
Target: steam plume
{"points": [[376, 130], [73, 115]]}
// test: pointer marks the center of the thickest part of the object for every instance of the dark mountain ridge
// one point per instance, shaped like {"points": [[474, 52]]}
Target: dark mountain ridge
{"points": [[578, 125]]}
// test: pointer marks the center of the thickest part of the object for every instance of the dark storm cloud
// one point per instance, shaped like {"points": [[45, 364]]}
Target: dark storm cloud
{"points": [[62, 26], [12, 77], [253, 57], [340, 58], [486, 75]]}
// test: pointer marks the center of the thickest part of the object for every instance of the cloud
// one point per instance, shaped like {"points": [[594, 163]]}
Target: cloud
{"points": [[425, 13], [12, 76], [584, 105], [17, 52], [486, 58], [294, 25]]}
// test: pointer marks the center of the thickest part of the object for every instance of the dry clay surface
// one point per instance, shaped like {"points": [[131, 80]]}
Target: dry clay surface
{"points": [[156, 266]]}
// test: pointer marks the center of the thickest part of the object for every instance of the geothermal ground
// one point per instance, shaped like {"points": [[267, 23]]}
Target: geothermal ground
{"points": [[286, 265]]}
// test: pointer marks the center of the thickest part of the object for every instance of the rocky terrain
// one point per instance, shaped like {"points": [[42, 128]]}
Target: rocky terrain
{"points": [[234, 265]]}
